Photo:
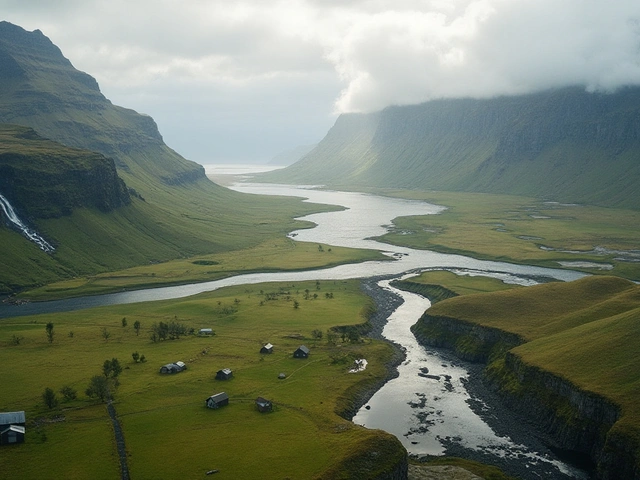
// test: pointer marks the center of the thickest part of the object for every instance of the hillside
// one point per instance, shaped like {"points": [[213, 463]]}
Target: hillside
{"points": [[566, 145], [153, 207]]}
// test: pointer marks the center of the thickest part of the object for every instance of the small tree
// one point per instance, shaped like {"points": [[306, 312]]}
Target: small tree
{"points": [[124, 321], [98, 388], [136, 327], [50, 398], [111, 368], [105, 334], [332, 337], [135, 356], [68, 393], [16, 339], [142, 359], [316, 334], [49, 330], [296, 304]]}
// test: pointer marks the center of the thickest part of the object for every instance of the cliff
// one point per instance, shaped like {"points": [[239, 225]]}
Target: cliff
{"points": [[564, 355], [567, 145], [45, 179]]}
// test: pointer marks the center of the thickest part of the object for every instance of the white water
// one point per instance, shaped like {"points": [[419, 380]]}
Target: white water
{"points": [[19, 224]]}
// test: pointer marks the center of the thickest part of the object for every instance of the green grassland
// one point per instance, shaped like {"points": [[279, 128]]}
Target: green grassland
{"points": [[168, 430], [586, 332], [277, 254], [512, 229]]}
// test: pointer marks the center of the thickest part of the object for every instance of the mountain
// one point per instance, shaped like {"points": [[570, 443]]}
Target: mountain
{"points": [[291, 156], [97, 182], [566, 144]]}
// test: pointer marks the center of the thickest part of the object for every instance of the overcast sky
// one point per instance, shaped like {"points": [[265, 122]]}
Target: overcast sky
{"points": [[242, 81]]}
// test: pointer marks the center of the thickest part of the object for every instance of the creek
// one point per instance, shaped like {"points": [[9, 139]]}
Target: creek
{"points": [[431, 415]]}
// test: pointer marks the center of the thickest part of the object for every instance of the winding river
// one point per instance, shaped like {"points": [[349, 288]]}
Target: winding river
{"points": [[430, 416]]}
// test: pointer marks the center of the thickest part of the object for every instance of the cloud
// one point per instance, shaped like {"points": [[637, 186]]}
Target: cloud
{"points": [[295, 64]]}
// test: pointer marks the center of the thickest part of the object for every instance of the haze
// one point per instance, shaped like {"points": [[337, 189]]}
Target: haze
{"points": [[241, 81]]}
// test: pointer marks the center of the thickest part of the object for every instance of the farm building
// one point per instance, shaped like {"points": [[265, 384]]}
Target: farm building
{"points": [[205, 331], [218, 400], [12, 427], [268, 348], [224, 374], [173, 367], [263, 405], [301, 352]]}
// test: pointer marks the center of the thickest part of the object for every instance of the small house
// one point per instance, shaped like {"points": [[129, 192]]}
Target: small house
{"points": [[263, 405], [205, 331], [12, 427], [218, 400], [224, 374], [301, 352], [268, 348], [173, 367]]}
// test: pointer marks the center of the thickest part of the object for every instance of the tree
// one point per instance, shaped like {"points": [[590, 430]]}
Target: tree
{"points": [[98, 388], [135, 356], [105, 334], [316, 334], [16, 339], [68, 393], [136, 327], [124, 321], [142, 359], [49, 329], [50, 398], [332, 337], [296, 304], [111, 368]]}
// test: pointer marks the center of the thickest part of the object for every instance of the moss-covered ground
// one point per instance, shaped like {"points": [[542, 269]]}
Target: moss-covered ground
{"points": [[169, 432]]}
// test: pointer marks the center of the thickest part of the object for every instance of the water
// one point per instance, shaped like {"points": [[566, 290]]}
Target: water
{"points": [[26, 231], [428, 415]]}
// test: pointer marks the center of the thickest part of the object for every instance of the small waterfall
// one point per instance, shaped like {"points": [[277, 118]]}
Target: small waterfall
{"points": [[26, 231]]}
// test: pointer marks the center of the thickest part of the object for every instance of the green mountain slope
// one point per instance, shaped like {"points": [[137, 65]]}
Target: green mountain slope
{"points": [[161, 207], [567, 144]]}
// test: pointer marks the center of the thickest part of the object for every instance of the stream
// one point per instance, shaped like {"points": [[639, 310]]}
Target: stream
{"points": [[431, 415]]}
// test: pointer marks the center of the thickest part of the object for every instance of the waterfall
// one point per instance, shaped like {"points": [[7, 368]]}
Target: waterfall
{"points": [[26, 231]]}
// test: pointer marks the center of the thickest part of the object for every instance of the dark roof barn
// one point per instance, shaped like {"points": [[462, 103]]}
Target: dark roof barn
{"points": [[268, 348], [263, 405], [224, 374], [301, 352], [217, 400]]}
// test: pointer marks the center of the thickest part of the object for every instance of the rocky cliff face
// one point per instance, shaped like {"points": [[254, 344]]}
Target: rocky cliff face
{"points": [[578, 421], [44, 179]]}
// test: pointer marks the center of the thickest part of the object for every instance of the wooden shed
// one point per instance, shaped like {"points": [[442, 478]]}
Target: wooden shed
{"points": [[301, 352], [12, 427], [218, 400], [173, 367], [263, 405], [268, 348], [224, 374]]}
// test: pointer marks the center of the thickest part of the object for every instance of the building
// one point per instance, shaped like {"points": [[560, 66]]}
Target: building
{"points": [[173, 367], [268, 348], [263, 405], [218, 400], [12, 427], [224, 374], [301, 352], [205, 331]]}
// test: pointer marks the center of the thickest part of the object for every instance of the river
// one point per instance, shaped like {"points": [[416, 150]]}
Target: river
{"points": [[429, 416]]}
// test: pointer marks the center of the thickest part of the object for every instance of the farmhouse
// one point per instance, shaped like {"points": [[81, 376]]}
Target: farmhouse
{"points": [[218, 400], [224, 374], [301, 352], [263, 405], [268, 348], [12, 427], [173, 367]]}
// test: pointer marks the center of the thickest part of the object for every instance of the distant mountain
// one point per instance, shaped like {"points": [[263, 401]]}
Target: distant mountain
{"points": [[291, 156], [565, 144]]}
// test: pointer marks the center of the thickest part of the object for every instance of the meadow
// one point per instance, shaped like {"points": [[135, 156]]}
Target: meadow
{"points": [[524, 230], [169, 432]]}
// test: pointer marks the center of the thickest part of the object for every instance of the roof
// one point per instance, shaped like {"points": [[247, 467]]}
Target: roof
{"points": [[218, 397], [8, 418], [303, 348], [14, 428], [181, 364], [226, 371], [206, 329], [268, 346], [263, 401]]}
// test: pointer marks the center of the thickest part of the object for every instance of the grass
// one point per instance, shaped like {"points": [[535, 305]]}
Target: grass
{"points": [[168, 431], [513, 229], [585, 332], [277, 254]]}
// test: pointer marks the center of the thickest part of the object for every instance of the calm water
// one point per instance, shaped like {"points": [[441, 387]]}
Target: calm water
{"points": [[424, 413]]}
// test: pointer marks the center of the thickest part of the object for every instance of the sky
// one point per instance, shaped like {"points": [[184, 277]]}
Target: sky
{"points": [[242, 81]]}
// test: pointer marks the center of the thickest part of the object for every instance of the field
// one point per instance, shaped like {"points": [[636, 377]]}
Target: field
{"points": [[524, 230], [169, 432]]}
